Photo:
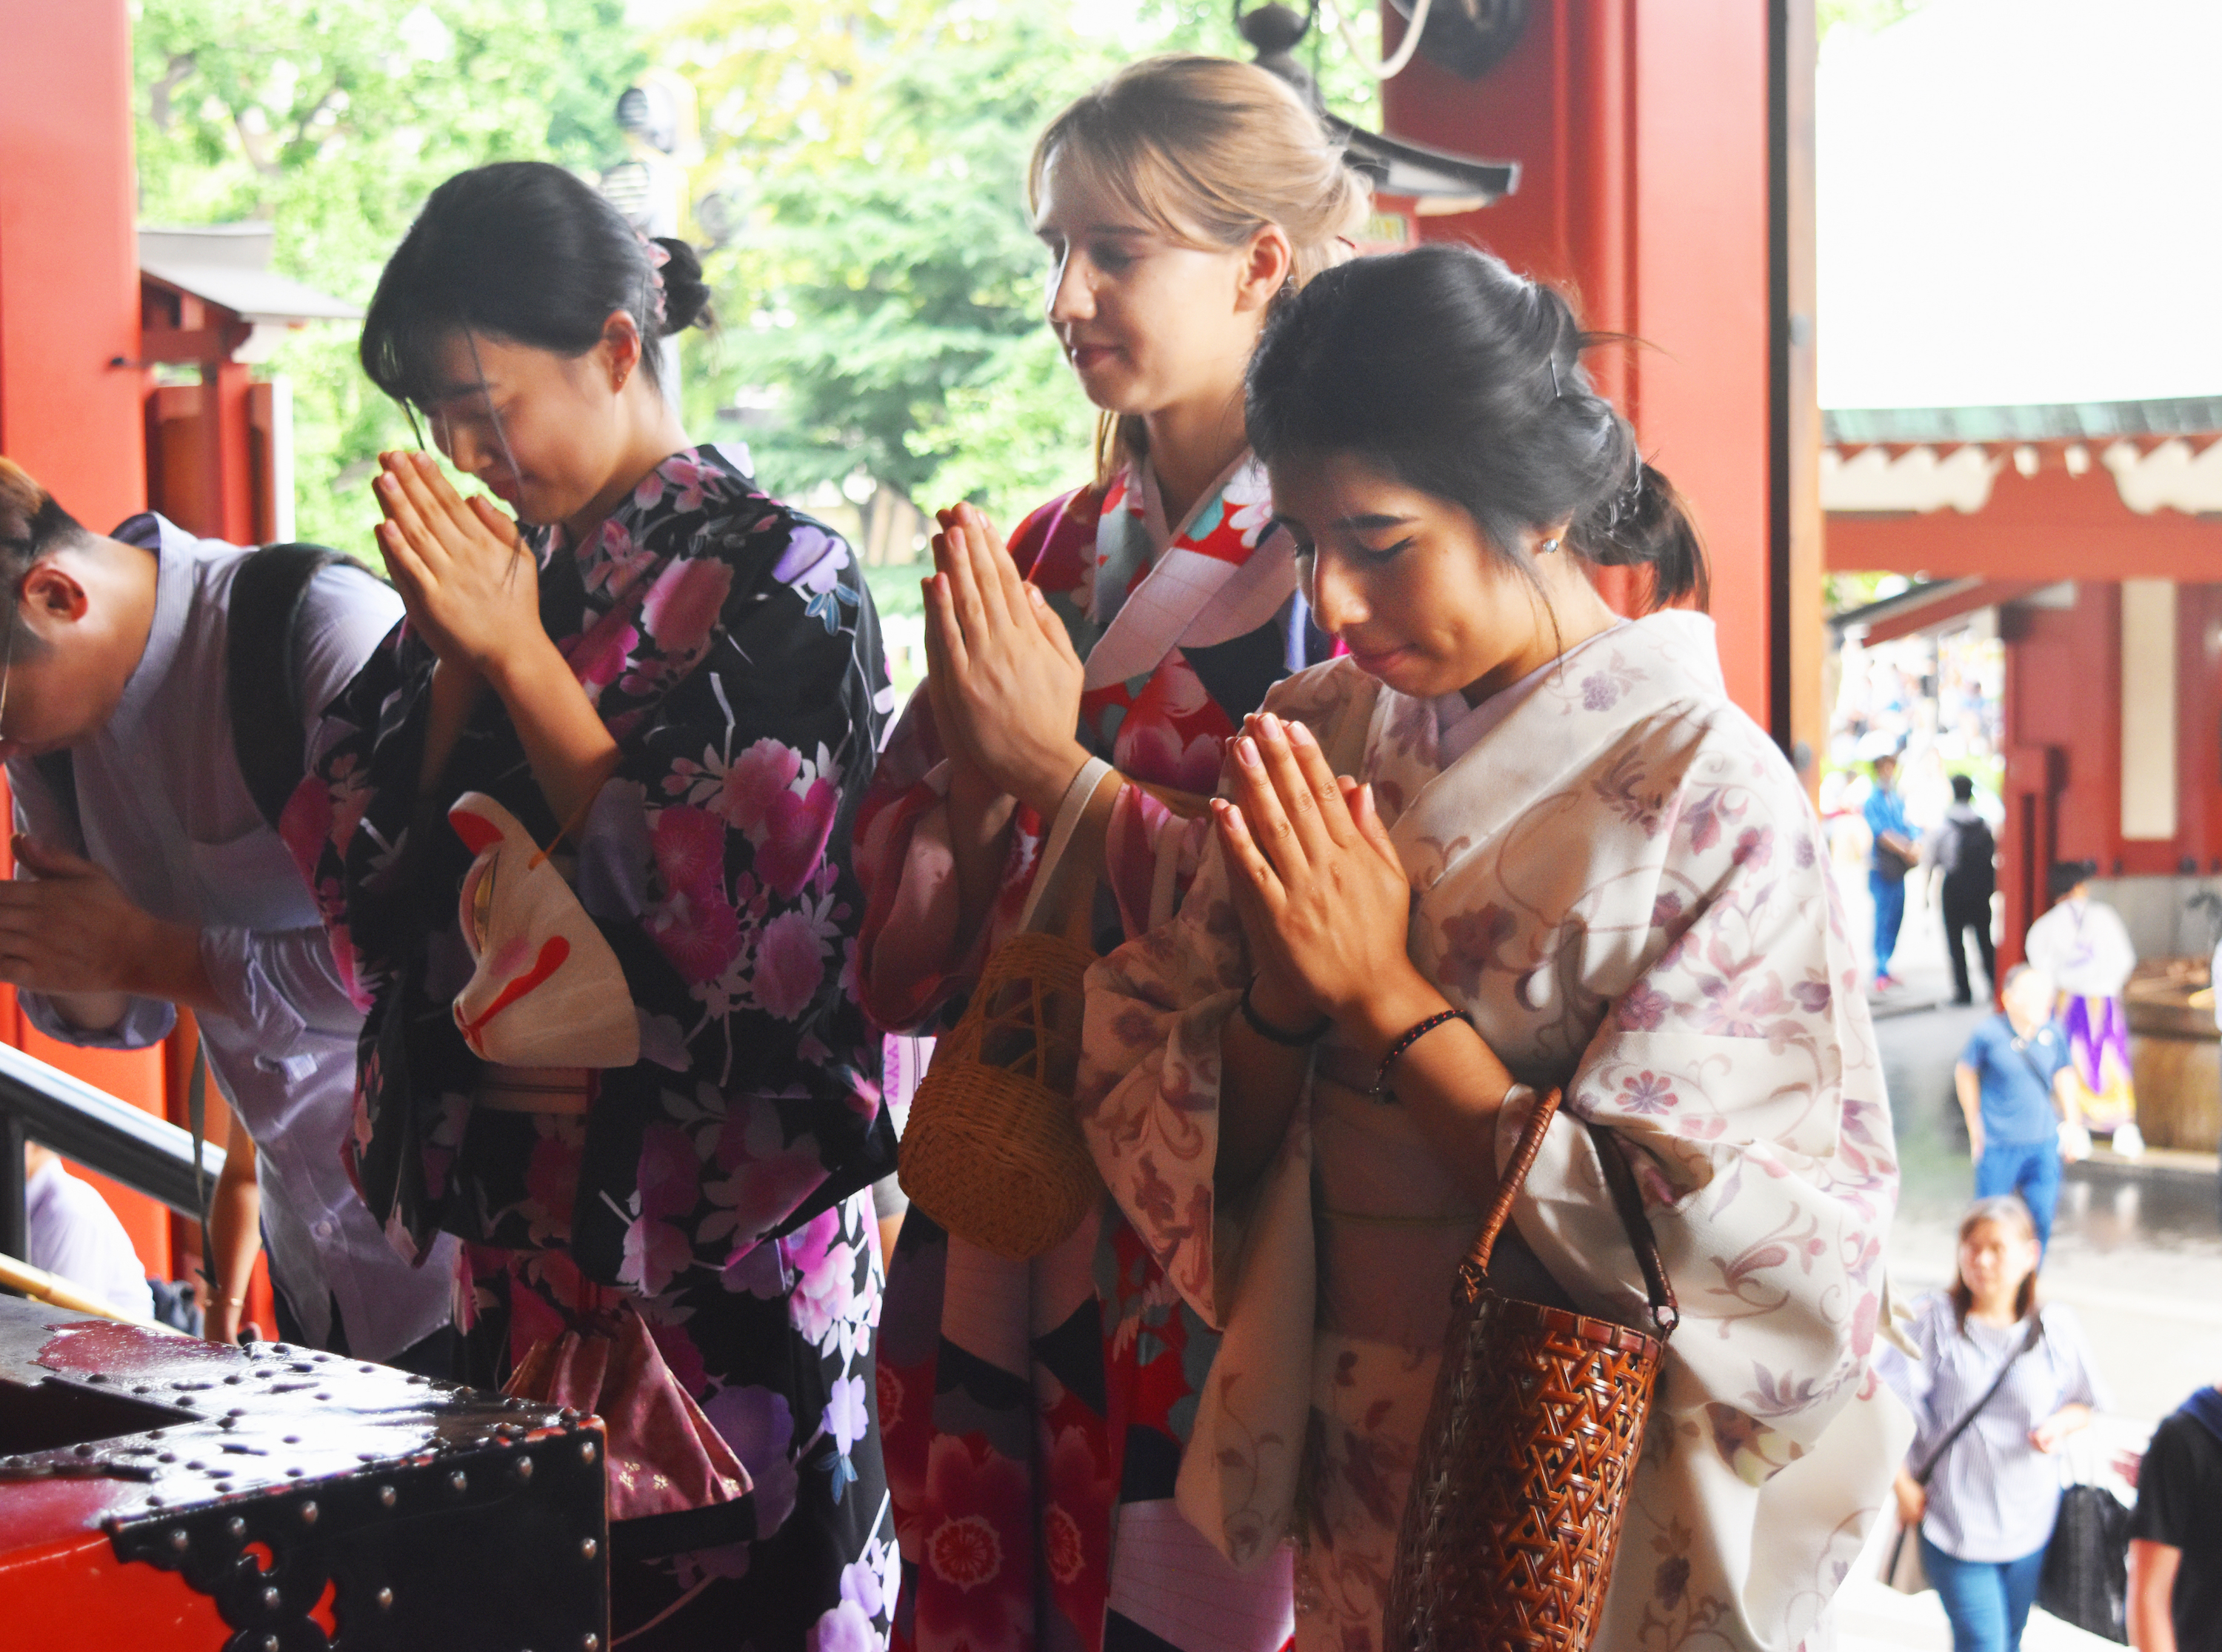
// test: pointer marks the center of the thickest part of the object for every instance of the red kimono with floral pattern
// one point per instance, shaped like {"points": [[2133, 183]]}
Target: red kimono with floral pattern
{"points": [[1034, 1412]]}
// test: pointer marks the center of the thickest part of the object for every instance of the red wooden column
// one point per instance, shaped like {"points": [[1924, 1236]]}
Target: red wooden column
{"points": [[69, 268], [69, 310], [1665, 178]]}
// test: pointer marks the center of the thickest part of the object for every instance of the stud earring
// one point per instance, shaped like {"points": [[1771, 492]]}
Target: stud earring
{"points": [[1547, 548]]}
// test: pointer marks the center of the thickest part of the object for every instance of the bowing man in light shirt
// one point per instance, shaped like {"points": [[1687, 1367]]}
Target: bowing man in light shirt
{"points": [[155, 881]]}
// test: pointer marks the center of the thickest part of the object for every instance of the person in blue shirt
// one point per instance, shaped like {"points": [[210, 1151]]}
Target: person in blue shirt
{"points": [[2013, 1084], [1893, 856]]}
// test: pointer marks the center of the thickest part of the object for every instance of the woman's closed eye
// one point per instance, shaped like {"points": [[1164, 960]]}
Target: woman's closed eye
{"points": [[1112, 258], [1365, 553]]}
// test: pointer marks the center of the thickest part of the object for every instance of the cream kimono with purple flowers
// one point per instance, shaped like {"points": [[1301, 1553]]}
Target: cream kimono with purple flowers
{"points": [[1623, 886]]}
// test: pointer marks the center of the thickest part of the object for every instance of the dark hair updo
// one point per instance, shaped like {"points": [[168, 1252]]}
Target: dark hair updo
{"points": [[1442, 368], [521, 251]]}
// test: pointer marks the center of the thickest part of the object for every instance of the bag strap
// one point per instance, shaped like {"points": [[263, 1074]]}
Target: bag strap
{"points": [[262, 669], [1515, 1173], [197, 1120], [1062, 899], [2035, 1334], [2021, 1048], [58, 770], [1666, 1312], [1627, 1202]]}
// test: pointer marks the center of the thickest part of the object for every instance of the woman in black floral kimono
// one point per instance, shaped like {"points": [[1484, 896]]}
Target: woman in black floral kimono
{"points": [[671, 685]]}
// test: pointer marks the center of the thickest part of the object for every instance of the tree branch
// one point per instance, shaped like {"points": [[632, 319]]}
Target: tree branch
{"points": [[175, 73], [260, 151]]}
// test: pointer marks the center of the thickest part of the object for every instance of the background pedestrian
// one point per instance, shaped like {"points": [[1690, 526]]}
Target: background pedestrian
{"points": [[1997, 1389], [1892, 856], [1966, 853], [2175, 1534], [2014, 1089], [2084, 946]]}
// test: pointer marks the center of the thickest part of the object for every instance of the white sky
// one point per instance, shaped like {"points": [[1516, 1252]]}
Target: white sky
{"points": [[2020, 201]]}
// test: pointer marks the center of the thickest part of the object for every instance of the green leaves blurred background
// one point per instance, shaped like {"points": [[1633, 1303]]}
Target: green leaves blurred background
{"points": [[857, 178]]}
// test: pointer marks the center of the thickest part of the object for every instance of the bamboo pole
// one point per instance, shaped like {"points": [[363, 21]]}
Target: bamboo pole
{"points": [[57, 1292]]}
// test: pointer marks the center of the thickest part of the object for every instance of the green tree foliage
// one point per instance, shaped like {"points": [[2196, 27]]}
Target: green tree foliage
{"points": [[334, 119], [1861, 16], [864, 163], [883, 295]]}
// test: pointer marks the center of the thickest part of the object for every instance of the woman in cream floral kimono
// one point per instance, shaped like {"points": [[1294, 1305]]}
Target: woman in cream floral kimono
{"points": [[1512, 842]]}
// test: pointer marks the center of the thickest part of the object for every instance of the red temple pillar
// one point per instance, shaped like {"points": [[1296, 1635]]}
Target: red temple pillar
{"points": [[1665, 148], [70, 392]]}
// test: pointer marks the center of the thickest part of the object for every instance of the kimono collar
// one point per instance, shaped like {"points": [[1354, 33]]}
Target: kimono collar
{"points": [[1641, 670], [1459, 727], [612, 561], [173, 549], [1221, 576]]}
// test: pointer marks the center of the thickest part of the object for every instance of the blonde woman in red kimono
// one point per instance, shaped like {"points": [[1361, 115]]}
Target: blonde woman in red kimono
{"points": [[1510, 843], [1034, 1411]]}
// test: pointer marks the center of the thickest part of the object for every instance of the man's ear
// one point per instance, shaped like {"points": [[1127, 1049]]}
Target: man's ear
{"points": [[52, 596]]}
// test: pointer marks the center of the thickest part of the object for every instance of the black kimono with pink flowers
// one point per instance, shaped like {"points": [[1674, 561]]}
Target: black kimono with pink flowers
{"points": [[720, 1185]]}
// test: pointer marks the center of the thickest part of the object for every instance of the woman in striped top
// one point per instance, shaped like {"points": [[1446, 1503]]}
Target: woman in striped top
{"points": [[1986, 1500]]}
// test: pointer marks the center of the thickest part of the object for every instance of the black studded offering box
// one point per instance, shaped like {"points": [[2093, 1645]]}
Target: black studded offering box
{"points": [[160, 1492]]}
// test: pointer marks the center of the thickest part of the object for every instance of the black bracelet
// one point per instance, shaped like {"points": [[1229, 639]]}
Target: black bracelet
{"points": [[1412, 1035], [1266, 1030]]}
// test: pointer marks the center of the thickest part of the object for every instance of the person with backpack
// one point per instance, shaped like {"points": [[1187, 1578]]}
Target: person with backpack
{"points": [[157, 693], [1967, 853], [2175, 1534]]}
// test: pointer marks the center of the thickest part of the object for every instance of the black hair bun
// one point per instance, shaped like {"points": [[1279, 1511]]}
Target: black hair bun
{"points": [[686, 295]]}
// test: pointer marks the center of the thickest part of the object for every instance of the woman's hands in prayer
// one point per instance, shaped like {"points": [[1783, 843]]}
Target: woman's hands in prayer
{"points": [[1322, 897], [471, 586], [1325, 908], [472, 589], [1001, 674]]}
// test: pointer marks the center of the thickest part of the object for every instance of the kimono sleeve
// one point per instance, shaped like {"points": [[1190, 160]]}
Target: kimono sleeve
{"points": [[911, 962], [1738, 1073], [716, 861], [1149, 1085], [1148, 1090]]}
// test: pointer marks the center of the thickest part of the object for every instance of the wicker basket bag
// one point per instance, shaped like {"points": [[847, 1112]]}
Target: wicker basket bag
{"points": [[1525, 1463], [993, 1151]]}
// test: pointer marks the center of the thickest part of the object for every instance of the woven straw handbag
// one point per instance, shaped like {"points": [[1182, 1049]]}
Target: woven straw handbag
{"points": [[1524, 1466], [992, 1151]]}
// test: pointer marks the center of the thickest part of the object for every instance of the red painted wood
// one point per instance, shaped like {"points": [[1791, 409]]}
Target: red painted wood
{"points": [[2047, 527], [1641, 129], [1931, 614], [74, 1592], [69, 278]]}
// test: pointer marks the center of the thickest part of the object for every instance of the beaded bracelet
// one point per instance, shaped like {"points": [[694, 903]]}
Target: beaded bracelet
{"points": [[1281, 1035], [1412, 1035]]}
